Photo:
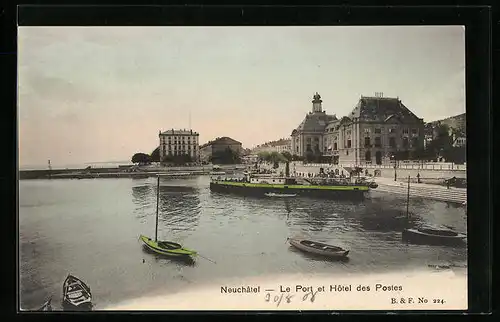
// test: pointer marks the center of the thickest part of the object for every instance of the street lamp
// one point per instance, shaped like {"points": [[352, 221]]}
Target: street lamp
{"points": [[393, 157]]}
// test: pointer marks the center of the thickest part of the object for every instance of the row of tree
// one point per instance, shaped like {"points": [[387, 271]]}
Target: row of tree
{"points": [[226, 156], [143, 158]]}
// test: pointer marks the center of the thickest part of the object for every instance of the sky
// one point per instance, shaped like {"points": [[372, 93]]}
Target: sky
{"points": [[90, 94]]}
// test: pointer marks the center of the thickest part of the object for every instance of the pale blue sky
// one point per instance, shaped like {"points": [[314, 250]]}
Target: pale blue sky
{"points": [[102, 93]]}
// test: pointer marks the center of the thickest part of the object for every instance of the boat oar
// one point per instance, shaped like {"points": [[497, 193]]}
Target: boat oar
{"points": [[208, 259]]}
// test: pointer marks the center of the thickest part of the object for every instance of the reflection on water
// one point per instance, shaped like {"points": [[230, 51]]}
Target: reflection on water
{"points": [[178, 209], [90, 228]]}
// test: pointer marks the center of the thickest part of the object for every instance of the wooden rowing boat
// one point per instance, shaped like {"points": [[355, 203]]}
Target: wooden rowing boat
{"points": [[76, 294], [318, 248], [432, 236]]}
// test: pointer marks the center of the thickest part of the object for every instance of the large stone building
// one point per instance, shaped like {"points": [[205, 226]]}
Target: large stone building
{"points": [[280, 146], [179, 142], [377, 130], [207, 150]]}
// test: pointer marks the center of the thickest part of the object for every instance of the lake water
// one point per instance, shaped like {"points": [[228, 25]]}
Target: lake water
{"points": [[90, 228]]}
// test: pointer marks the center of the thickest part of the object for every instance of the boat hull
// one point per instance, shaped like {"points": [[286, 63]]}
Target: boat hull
{"points": [[327, 192], [176, 251], [76, 294], [435, 237], [298, 243]]}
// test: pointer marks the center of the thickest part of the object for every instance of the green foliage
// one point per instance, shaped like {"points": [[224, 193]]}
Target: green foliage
{"points": [[227, 156], [141, 158], [442, 146], [264, 156], [155, 155], [287, 155]]}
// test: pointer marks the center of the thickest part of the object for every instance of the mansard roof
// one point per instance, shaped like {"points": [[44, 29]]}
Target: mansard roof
{"points": [[221, 141], [383, 109]]}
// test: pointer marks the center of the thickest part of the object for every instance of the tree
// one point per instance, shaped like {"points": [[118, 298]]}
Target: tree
{"points": [[264, 156], [287, 155], [226, 156], [141, 158], [155, 155]]}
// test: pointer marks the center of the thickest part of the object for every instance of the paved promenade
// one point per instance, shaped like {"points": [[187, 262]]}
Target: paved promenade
{"points": [[425, 190]]}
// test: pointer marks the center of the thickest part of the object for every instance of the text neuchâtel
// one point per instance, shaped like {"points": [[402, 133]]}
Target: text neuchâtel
{"points": [[308, 288]]}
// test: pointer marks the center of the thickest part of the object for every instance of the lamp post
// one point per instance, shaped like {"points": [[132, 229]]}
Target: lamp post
{"points": [[395, 174]]}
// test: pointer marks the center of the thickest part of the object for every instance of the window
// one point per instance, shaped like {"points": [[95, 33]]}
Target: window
{"points": [[392, 142], [335, 146], [347, 152], [392, 130], [414, 142], [414, 131], [378, 131], [405, 130], [348, 144], [367, 142], [378, 143], [368, 156]]}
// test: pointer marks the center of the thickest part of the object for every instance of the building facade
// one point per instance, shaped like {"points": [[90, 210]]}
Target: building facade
{"points": [[179, 142], [221, 144], [377, 130], [280, 146]]}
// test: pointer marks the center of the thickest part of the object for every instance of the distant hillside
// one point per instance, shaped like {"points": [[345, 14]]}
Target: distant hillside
{"points": [[455, 122]]}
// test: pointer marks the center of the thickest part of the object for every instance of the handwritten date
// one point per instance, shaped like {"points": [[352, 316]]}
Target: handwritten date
{"points": [[311, 296]]}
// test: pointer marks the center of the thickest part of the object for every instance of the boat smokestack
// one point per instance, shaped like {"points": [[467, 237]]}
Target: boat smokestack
{"points": [[287, 169]]}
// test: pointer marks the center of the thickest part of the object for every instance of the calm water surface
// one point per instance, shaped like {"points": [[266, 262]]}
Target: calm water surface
{"points": [[90, 228]]}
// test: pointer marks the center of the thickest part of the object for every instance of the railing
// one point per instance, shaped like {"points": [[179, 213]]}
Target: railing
{"points": [[399, 165]]}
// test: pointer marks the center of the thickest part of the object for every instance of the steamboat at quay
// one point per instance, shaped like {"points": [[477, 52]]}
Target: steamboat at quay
{"points": [[289, 186]]}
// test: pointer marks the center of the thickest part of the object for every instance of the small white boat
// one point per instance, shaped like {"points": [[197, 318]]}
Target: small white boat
{"points": [[272, 194], [318, 248], [217, 173]]}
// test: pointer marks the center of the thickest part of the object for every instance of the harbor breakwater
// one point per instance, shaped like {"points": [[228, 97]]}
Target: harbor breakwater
{"points": [[124, 172]]}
